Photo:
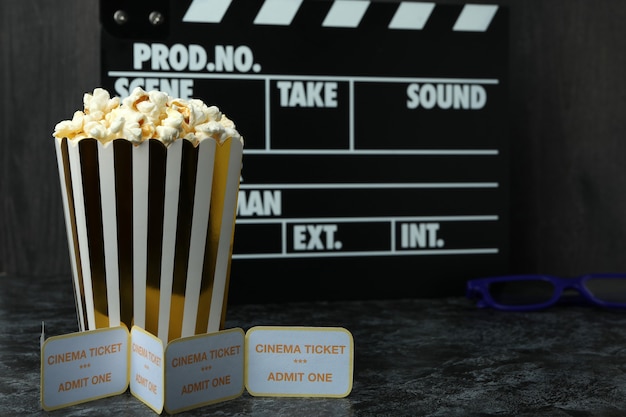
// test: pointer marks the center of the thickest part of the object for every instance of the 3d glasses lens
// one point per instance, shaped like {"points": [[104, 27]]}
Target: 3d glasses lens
{"points": [[607, 289], [521, 293]]}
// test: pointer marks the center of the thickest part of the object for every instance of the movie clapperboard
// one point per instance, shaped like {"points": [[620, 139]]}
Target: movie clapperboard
{"points": [[376, 135]]}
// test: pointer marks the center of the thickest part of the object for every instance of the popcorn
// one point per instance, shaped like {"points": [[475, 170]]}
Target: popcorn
{"points": [[146, 115], [203, 186]]}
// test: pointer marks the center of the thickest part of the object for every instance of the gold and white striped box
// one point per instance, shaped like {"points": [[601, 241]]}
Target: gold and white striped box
{"points": [[150, 230]]}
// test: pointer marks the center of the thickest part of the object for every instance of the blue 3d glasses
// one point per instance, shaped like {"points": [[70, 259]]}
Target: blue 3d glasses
{"points": [[534, 292]]}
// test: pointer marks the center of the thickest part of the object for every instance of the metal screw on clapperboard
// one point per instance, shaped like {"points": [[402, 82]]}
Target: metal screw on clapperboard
{"points": [[120, 17], [156, 18]]}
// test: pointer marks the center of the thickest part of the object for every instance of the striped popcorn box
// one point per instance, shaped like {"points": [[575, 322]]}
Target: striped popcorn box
{"points": [[150, 230]]}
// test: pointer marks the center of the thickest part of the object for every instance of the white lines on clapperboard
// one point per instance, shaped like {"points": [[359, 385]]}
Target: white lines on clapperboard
{"points": [[377, 152], [478, 251], [476, 218], [355, 186], [278, 77], [409, 15]]}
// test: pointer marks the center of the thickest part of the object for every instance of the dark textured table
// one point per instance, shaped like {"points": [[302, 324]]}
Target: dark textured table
{"points": [[430, 357]]}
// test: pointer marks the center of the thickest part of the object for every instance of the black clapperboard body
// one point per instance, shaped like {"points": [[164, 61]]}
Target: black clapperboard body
{"points": [[376, 135]]}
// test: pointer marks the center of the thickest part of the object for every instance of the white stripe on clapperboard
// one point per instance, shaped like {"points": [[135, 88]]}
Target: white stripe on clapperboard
{"points": [[409, 15]]}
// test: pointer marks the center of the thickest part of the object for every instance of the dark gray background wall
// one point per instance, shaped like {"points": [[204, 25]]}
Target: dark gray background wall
{"points": [[567, 119]]}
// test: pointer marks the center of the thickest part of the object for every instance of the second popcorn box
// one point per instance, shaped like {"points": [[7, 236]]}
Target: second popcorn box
{"points": [[150, 187]]}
